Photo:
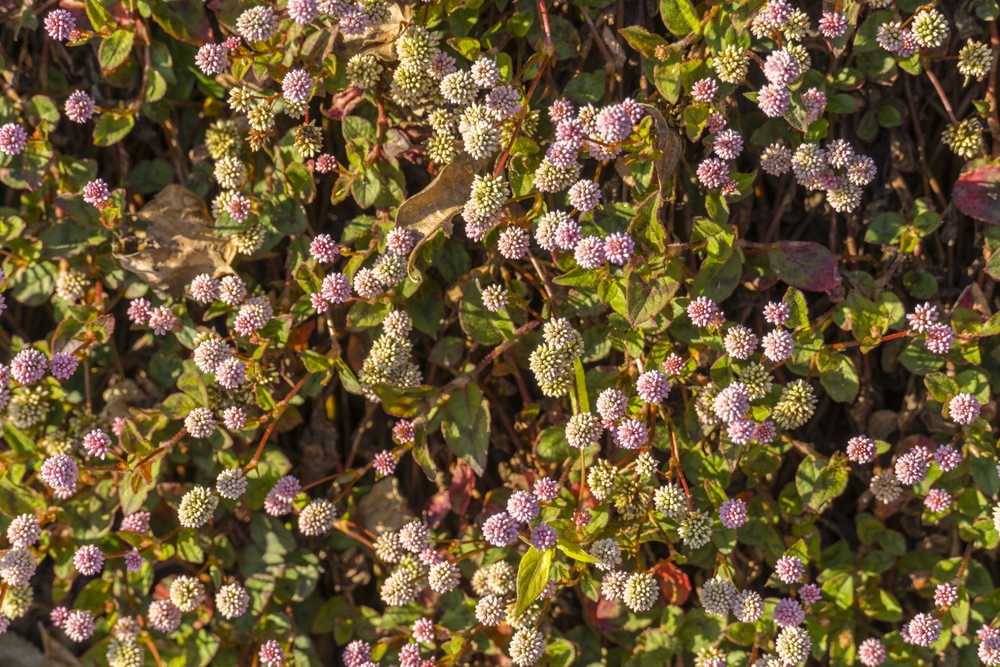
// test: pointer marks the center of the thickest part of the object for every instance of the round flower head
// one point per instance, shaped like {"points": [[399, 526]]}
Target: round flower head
{"points": [[704, 90], [212, 59], [402, 432], [423, 630], [97, 443], [231, 483], [357, 653], [136, 523], [415, 536], [589, 253], [491, 610], [28, 365], [789, 613], [384, 463], [937, 501], [271, 654], [964, 409], [974, 60], [200, 423], [732, 402], [317, 518], [989, 650], [59, 472], [232, 600], [947, 457], [568, 234], [523, 506], [79, 625], [186, 593], [728, 145], [778, 345], [810, 593], [748, 607], [163, 615], [640, 592], [133, 560], [58, 616], [204, 288], [696, 529], [619, 248], [303, 11], [885, 487], [717, 596], [546, 489], [922, 317], [585, 195], [513, 242], [630, 434], [871, 653], [139, 311], [911, 468], [939, 339], [526, 647], [713, 173], [257, 23], [336, 288], [930, 28], [923, 630], [740, 342], [611, 405], [781, 67], [79, 107], [790, 569], [163, 321], [833, 25], [197, 507], [543, 536], [777, 313], [733, 513], [325, 163], [63, 366], [18, 566], [232, 290], [793, 645], [773, 100], [608, 554], [945, 595], [583, 430], [13, 139], [703, 312], [653, 387], [495, 298], [60, 24], [210, 354], [500, 530], [23, 531], [297, 86], [861, 449]]}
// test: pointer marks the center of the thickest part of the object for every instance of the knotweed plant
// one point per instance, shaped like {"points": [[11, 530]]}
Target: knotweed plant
{"points": [[420, 333]]}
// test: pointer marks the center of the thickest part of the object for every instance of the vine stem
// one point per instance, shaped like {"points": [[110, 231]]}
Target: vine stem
{"points": [[675, 454], [940, 92], [278, 411], [504, 346]]}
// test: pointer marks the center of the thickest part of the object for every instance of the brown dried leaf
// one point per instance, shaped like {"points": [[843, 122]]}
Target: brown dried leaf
{"points": [[668, 143], [434, 207], [179, 243], [382, 42]]}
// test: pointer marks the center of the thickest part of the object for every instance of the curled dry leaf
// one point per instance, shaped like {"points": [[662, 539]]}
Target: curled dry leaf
{"points": [[435, 206], [667, 142], [178, 243], [380, 42]]}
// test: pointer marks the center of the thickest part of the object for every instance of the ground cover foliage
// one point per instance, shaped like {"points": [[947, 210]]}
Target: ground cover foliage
{"points": [[535, 332]]}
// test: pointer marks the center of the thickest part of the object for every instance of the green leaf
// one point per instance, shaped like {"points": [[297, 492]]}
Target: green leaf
{"points": [[940, 386], [475, 319], [100, 17], [115, 49], [798, 310], [112, 128], [645, 297], [574, 551], [840, 381], [587, 88], [177, 406], [315, 362], [819, 482], [364, 315], [717, 279], [679, 17], [465, 425], [18, 441], [532, 577]]}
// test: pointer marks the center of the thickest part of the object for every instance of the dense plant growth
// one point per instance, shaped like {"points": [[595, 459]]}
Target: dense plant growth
{"points": [[535, 332]]}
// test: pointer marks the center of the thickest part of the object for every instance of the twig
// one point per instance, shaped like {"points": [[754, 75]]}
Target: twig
{"points": [[278, 411], [940, 92]]}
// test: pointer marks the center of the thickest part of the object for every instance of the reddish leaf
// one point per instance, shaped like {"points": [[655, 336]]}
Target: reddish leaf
{"points": [[463, 482], [976, 194], [674, 583], [343, 103], [805, 265], [437, 508]]}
